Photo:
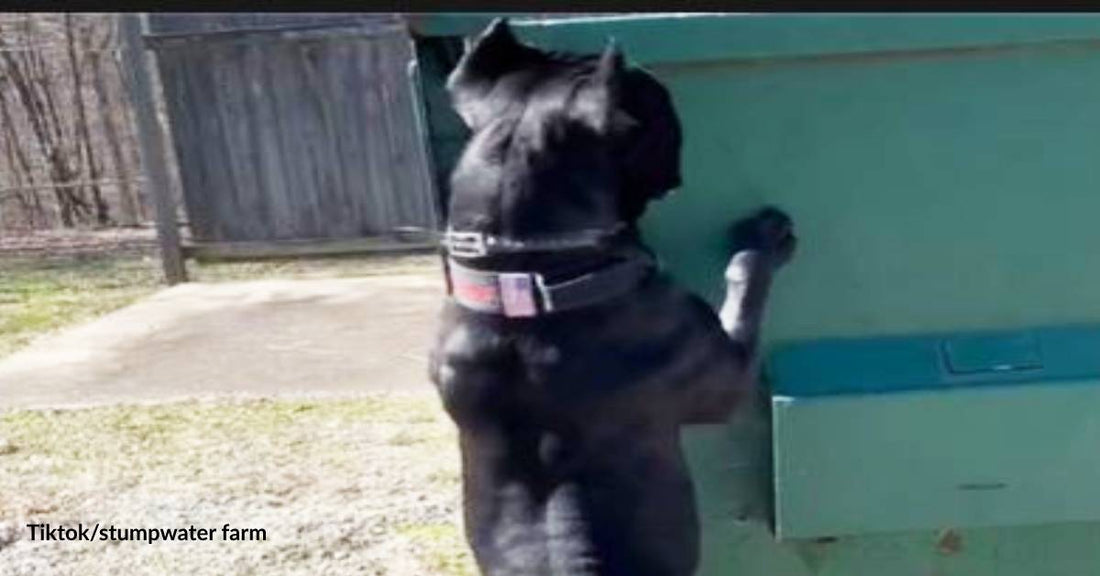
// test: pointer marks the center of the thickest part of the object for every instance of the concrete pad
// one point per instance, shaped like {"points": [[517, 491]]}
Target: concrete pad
{"points": [[331, 337]]}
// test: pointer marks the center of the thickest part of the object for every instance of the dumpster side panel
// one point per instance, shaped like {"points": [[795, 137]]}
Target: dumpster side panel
{"points": [[910, 180]]}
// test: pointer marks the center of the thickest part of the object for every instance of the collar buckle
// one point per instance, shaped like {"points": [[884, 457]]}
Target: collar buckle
{"points": [[466, 244]]}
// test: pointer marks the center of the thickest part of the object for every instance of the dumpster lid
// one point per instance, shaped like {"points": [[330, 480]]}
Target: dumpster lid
{"points": [[840, 366]]}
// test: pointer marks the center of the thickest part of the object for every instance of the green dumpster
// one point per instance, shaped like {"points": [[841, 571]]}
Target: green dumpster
{"points": [[931, 404]]}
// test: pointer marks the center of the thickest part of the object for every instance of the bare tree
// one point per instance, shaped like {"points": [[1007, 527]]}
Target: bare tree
{"points": [[21, 175], [102, 211], [32, 83], [57, 141], [129, 204]]}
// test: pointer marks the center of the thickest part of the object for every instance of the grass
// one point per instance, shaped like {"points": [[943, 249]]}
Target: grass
{"points": [[320, 476], [40, 295], [441, 548]]}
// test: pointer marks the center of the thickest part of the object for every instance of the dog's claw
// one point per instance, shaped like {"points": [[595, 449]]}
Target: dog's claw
{"points": [[769, 230]]}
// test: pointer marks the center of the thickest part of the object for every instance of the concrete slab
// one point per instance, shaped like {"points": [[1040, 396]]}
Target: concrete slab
{"points": [[331, 337]]}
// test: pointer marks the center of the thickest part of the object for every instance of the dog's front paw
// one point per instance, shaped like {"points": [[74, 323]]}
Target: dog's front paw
{"points": [[769, 231]]}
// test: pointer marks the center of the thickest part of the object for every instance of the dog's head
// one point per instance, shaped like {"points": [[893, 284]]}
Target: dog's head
{"points": [[559, 141]]}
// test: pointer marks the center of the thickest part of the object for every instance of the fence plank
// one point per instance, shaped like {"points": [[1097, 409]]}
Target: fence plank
{"points": [[291, 137], [303, 248]]}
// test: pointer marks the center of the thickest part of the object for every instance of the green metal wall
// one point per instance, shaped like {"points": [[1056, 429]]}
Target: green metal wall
{"points": [[943, 172]]}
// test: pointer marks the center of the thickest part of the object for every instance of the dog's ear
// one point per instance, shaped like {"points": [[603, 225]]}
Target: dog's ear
{"points": [[632, 108], [650, 150], [599, 107], [494, 53]]}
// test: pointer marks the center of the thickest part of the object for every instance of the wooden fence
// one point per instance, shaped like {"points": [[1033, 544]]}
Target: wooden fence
{"points": [[293, 128]]}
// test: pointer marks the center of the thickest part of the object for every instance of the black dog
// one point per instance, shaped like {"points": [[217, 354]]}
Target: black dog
{"points": [[566, 360]]}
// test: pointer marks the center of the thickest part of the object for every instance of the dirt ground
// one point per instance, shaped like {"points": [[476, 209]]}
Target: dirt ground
{"points": [[316, 337], [50, 280]]}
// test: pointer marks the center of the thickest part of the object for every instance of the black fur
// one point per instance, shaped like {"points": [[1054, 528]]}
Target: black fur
{"points": [[569, 423]]}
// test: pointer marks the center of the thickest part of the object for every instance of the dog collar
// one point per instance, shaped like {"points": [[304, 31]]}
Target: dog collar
{"points": [[527, 294], [479, 244]]}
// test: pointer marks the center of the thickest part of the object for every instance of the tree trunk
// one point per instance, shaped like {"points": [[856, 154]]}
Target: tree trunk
{"points": [[129, 130], [127, 192], [102, 211], [29, 76], [20, 167]]}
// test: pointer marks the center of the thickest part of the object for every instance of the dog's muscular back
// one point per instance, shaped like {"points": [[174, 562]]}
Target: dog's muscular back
{"points": [[570, 431]]}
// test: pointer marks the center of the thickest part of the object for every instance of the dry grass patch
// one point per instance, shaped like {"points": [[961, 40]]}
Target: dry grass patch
{"points": [[365, 486]]}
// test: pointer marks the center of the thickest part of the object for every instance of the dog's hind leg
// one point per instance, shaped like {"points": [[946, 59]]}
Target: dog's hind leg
{"points": [[762, 244]]}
